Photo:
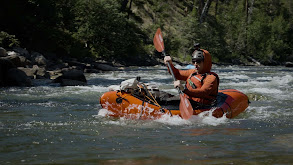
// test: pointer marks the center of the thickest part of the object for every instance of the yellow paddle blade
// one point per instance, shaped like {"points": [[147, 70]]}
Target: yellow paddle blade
{"points": [[158, 41]]}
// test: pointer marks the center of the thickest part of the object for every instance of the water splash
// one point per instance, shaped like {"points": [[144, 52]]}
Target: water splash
{"points": [[204, 118]]}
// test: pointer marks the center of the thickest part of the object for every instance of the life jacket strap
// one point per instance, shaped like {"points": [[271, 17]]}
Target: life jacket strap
{"points": [[191, 84]]}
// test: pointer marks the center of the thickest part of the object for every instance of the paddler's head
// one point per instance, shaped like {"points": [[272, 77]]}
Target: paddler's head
{"points": [[202, 61]]}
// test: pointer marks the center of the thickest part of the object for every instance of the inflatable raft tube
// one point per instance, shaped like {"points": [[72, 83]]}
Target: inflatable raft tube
{"points": [[230, 102]]}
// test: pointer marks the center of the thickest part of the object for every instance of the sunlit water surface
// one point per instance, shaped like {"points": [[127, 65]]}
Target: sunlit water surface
{"points": [[49, 124]]}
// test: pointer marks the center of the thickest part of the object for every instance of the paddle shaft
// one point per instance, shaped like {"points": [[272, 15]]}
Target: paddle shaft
{"points": [[184, 106], [172, 73]]}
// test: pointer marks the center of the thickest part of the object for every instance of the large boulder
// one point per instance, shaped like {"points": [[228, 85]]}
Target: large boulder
{"points": [[30, 72], [11, 76], [22, 52], [22, 61], [74, 75], [71, 78], [16, 77], [14, 59], [41, 73], [5, 65], [289, 64], [36, 72], [103, 67], [39, 59]]}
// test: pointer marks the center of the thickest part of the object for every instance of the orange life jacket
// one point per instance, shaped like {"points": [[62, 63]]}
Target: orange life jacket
{"points": [[195, 81]]}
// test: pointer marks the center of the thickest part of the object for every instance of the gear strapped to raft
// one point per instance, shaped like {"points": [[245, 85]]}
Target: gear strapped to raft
{"points": [[138, 90]]}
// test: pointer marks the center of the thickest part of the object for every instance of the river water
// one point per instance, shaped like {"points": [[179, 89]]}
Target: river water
{"points": [[49, 124]]}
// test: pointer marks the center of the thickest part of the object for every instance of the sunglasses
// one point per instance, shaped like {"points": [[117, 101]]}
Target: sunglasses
{"points": [[197, 61]]}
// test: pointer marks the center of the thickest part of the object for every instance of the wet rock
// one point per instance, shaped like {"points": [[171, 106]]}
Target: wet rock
{"points": [[58, 66], [39, 59], [3, 52], [92, 71], [5, 65], [14, 59], [71, 78], [103, 67], [10, 53], [42, 73], [16, 77], [30, 72], [77, 64], [55, 73], [74, 75], [35, 72], [289, 64], [22, 52], [23, 61]]}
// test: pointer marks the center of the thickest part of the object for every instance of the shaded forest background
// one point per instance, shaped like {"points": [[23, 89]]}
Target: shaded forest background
{"points": [[234, 31]]}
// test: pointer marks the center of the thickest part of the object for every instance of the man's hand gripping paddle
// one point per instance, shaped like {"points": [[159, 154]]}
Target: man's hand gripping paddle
{"points": [[185, 107]]}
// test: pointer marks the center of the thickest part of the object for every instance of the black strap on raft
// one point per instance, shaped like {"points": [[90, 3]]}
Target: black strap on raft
{"points": [[170, 112], [119, 99], [163, 111]]}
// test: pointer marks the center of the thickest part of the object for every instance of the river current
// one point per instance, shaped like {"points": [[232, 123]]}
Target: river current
{"points": [[49, 124]]}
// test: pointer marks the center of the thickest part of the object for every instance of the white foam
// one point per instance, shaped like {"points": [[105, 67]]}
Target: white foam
{"points": [[261, 112], [207, 118], [267, 85], [103, 112], [233, 77], [173, 120], [204, 118], [282, 80], [264, 78], [265, 90]]}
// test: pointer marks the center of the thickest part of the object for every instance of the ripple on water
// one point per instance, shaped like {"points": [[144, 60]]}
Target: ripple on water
{"points": [[204, 118], [60, 125]]}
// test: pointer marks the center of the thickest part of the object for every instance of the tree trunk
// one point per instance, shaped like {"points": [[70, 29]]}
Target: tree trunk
{"points": [[129, 9], [205, 10], [200, 6], [216, 8], [246, 25]]}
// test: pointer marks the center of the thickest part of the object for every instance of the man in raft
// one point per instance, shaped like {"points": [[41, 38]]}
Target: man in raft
{"points": [[201, 86]]}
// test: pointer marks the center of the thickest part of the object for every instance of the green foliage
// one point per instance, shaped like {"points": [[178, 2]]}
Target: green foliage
{"points": [[113, 31], [267, 33], [106, 31], [233, 33], [7, 40]]}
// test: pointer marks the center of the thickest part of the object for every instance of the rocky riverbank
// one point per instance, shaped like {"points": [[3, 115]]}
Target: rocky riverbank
{"points": [[18, 67]]}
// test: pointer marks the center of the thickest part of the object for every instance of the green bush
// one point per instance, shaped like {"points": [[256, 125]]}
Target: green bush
{"points": [[7, 40]]}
